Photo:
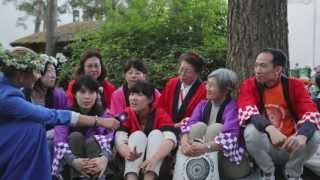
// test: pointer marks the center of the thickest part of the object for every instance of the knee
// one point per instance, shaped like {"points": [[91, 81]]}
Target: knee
{"points": [[75, 137], [198, 130], [91, 142], [314, 140], [138, 135], [250, 133], [214, 129], [199, 126], [155, 132]]}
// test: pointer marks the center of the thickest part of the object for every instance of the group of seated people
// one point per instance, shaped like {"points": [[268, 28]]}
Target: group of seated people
{"points": [[272, 122]]}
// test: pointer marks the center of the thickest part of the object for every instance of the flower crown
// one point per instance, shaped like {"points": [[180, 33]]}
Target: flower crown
{"points": [[60, 58], [29, 60]]}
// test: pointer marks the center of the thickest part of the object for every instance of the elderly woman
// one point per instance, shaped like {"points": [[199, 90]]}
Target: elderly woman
{"points": [[146, 135], [23, 143], [214, 127], [134, 70], [182, 93], [91, 64]]}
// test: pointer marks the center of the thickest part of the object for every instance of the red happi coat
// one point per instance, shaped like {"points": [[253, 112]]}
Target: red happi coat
{"points": [[108, 89], [158, 119], [170, 96], [301, 105]]}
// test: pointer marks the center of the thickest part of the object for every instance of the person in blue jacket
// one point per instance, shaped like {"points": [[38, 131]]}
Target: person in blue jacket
{"points": [[23, 145]]}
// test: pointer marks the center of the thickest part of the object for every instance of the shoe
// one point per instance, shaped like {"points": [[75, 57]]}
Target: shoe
{"points": [[81, 178], [288, 177], [293, 178], [269, 176]]}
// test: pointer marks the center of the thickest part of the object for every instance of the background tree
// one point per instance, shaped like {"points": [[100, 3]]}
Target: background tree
{"points": [[92, 9], [156, 33], [254, 25], [37, 9], [51, 28]]}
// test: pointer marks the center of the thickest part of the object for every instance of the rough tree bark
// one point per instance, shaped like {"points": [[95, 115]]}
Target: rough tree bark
{"points": [[254, 25], [39, 13], [51, 27]]}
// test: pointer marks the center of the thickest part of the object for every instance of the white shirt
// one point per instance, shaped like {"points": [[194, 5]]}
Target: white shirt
{"points": [[184, 89]]}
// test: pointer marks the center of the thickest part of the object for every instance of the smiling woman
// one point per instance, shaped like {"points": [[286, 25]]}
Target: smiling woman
{"points": [[213, 127], [182, 93], [91, 64], [46, 94]]}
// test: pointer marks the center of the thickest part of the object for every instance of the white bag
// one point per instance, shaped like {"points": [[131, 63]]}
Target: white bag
{"points": [[204, 167]]}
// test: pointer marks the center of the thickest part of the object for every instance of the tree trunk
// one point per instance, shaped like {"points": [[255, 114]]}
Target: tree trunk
{"points": [[39, 13], [254, 25], [51, 27]]}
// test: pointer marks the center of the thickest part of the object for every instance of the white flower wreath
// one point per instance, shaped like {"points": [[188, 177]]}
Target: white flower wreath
{"points": [[60, 58], [29, 61]]}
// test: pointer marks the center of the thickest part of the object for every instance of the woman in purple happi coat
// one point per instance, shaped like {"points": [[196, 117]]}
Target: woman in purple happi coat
{"points": [[87, 150], [45, 93], [214, 127]]}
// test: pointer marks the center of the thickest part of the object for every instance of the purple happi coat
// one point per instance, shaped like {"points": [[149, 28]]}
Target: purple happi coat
{"points": [[61, 147], [230, 138]]}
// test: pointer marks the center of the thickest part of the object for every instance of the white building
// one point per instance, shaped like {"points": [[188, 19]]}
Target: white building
{"points": [[304, 36]]}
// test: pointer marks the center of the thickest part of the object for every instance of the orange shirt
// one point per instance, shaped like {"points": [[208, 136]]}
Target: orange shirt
{"points": [[277, 110]]}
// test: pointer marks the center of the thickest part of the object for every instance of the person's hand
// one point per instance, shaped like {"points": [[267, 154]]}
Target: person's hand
{"points": [[134, 154], [185, 145], [148, 166], [129, 154], [184, 121], [277, 138], [197, 149], [294, 143], [177, 125], [81, 165], [109, 123], [98, 166]]}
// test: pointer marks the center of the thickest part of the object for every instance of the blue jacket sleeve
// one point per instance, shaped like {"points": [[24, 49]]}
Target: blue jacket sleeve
{"points": [[16, 108]]}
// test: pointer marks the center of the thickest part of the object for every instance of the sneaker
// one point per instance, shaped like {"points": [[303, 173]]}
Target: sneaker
{"points": [[290, 178], [269, 176], [294, 178]]}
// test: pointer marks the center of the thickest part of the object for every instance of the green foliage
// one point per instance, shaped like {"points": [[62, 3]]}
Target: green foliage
{"points": [[92, 8], [157, 31]]}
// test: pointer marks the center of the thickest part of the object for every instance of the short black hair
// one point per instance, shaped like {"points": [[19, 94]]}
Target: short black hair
{"points": [[279, 57], [137, 64], [91, 84], [144, 87]]}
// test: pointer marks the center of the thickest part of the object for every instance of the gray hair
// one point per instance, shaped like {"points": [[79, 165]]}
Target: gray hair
{"points": [[226, 79]]}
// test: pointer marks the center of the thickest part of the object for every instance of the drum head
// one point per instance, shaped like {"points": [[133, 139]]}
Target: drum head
{"points": [[199, 168]]}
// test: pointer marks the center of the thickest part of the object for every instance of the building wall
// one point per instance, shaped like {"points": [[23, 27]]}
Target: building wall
{"points": [[304, 37]]}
